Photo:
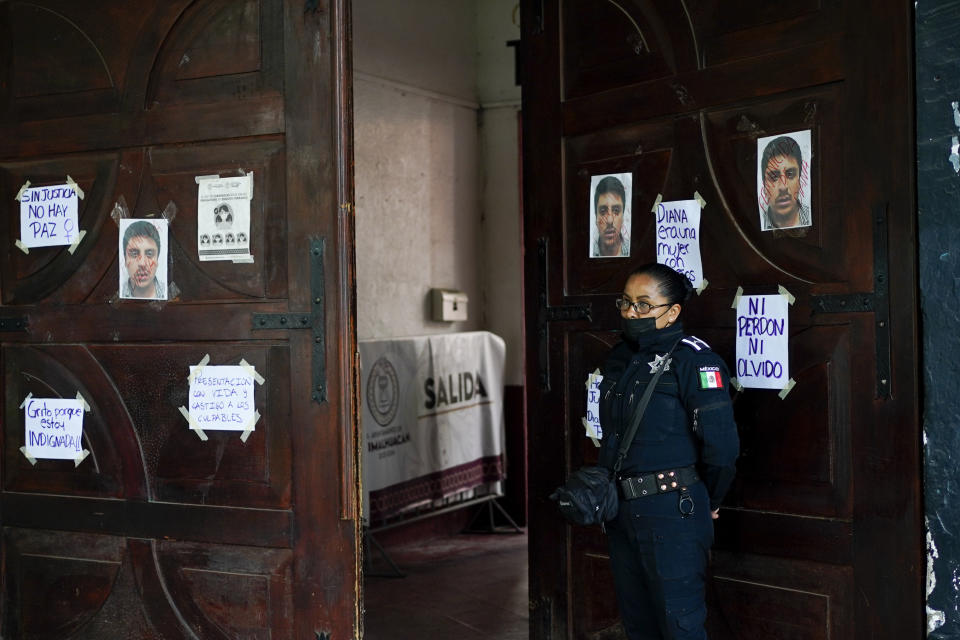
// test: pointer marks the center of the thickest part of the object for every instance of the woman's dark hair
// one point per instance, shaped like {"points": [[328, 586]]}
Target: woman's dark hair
{"points": [[673, 286]]}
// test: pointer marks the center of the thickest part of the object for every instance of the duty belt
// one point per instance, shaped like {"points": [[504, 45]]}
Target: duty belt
{"points": [[650, 484]]}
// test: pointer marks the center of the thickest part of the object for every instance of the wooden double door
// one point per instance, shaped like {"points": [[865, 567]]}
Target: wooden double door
{"points": [[821, 535], [157, 533]]}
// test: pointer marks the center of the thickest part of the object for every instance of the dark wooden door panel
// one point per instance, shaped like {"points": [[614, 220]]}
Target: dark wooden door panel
{"points": [[140, 589], [677, 94], [135, 429], [158, 534]]}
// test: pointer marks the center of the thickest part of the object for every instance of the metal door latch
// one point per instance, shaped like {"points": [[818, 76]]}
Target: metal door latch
{"points": [[315, 320]]}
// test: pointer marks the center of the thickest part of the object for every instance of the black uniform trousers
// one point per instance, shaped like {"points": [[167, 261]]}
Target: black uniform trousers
{"points": [[659, 560]]}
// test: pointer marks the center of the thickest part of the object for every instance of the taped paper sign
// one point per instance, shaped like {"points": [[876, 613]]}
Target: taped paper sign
{"points": [[678, 238], [221, 398], [610, 198], [223, 218], [143, 251], [49, 216], [592, 422], [54, 428], [762, 341]]}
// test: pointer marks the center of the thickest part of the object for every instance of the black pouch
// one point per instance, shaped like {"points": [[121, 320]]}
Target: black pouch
{"points": [[588, 497]]}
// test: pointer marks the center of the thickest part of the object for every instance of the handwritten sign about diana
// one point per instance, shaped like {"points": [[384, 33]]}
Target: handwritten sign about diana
{"points": [[762, 341], [48, 216], [678, 238], [54, 428], [221, 398]]}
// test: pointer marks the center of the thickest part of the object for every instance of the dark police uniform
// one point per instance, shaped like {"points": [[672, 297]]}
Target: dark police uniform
{"points": [[660, 540]]}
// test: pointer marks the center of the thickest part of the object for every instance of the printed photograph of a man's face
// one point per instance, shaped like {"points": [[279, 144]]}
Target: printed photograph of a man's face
{"points": [[143, 259], [610, 215], [783, 181]]}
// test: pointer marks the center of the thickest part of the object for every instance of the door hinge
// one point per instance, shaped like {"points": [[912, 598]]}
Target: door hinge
{"points": [[315, 319], [548, 314], [14, 323], [876, 301]]}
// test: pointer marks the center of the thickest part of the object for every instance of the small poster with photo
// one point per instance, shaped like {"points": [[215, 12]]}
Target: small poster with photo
{"points": [[783, 181], [610, 197], [223, 218], [143, 258]]}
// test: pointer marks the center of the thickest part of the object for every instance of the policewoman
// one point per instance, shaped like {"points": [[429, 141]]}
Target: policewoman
{"points": [[679, 466]]}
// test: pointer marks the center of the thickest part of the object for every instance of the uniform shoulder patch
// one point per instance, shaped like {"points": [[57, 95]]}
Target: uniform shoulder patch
{"points": [[710, 378], [695, 343]]}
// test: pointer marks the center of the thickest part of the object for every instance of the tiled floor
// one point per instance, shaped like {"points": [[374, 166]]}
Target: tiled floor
{"points": [[456, 588]]}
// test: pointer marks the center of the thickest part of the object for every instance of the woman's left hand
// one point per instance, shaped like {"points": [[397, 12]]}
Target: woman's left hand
{"points": [[715, 514]]}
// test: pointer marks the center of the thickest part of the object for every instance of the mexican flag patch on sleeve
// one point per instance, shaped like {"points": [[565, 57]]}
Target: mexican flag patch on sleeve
{"points": [[710, 378]]}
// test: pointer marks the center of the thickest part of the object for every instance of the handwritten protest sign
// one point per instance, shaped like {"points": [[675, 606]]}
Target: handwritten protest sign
{"points": [[592, 421], [54, 428], [678, 238], [762, 341], [221, 398], [48, 216]]}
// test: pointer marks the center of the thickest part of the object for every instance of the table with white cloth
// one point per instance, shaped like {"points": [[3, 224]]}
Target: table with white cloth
{"points": [[432, 420]]}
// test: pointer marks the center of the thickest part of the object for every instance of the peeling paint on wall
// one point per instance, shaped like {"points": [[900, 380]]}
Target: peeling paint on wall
{"points": [[935, 619]]}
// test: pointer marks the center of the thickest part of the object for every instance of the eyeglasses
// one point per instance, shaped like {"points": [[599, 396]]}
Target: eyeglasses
{"points": [[643, 308]]}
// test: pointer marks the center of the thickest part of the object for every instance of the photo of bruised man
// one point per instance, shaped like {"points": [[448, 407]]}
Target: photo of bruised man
{"points": [[611, 195], [143, 262], [784, 181]]}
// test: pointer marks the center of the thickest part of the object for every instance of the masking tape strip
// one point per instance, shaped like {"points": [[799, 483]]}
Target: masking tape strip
{"points": [[76, 241], [26, 185], [700, 200], [256, 376], [200, 365], [26, 400], [193, 424], [786, 389], [703, 285], [243, 260], [80, 458], [26, 454], [736, 384], [656, 202], [736, 298], [247, 430], [83, 401], [169, 212], [21, 246], [76, 187], [782, 290], [250, 192], [212, 176], [120, 210]]}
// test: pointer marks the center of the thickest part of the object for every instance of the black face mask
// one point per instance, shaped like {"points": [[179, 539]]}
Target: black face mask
{"points": [[633, 328]]}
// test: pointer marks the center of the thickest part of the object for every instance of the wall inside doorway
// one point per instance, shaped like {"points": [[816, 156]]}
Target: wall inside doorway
{"points": [[437, 185], [436, 129]]}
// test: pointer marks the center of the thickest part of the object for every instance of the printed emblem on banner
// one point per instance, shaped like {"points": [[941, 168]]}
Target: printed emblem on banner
{"points": [[383, 392], [710, 378]]}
